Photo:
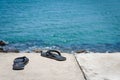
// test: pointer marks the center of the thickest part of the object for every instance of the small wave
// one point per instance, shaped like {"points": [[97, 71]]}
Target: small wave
{"points": [[93, 48]]}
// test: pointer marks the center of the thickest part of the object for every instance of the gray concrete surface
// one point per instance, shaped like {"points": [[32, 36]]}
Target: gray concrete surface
{"points": [[39, 68], [99, 66]]}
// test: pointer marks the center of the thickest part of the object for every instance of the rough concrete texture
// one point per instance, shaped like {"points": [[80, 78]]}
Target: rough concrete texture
{"points": [[100, 66], [39, 68]]}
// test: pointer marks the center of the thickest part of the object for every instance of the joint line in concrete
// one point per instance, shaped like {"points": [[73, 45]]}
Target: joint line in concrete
{"points": [[84, 75]]}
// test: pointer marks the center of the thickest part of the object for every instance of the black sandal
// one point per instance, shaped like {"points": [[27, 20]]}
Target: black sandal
{"points": [[20, 62], [51, 54]]}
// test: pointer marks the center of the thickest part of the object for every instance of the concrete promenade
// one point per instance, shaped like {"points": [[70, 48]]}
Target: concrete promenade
{"points": [[90, 66], [39, 68]]}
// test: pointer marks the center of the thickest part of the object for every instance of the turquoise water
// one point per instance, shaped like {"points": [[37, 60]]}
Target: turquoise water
{"points": [[68, 25]]}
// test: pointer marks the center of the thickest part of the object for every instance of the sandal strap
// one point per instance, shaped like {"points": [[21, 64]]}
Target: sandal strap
{"points": [[50, 52]]}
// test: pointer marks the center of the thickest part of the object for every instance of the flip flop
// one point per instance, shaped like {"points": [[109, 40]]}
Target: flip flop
{"points": [[20, 62], [51, 54]]}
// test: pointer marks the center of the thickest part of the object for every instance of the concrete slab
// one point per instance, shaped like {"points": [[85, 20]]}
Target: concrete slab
{"points": [[99, 66], [39, 68]]}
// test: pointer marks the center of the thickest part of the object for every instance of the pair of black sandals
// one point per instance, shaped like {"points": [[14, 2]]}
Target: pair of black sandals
{"points": [[20, 62]]}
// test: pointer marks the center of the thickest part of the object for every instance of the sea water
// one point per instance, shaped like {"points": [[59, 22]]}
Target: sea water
{"points": [[68, 25]]}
